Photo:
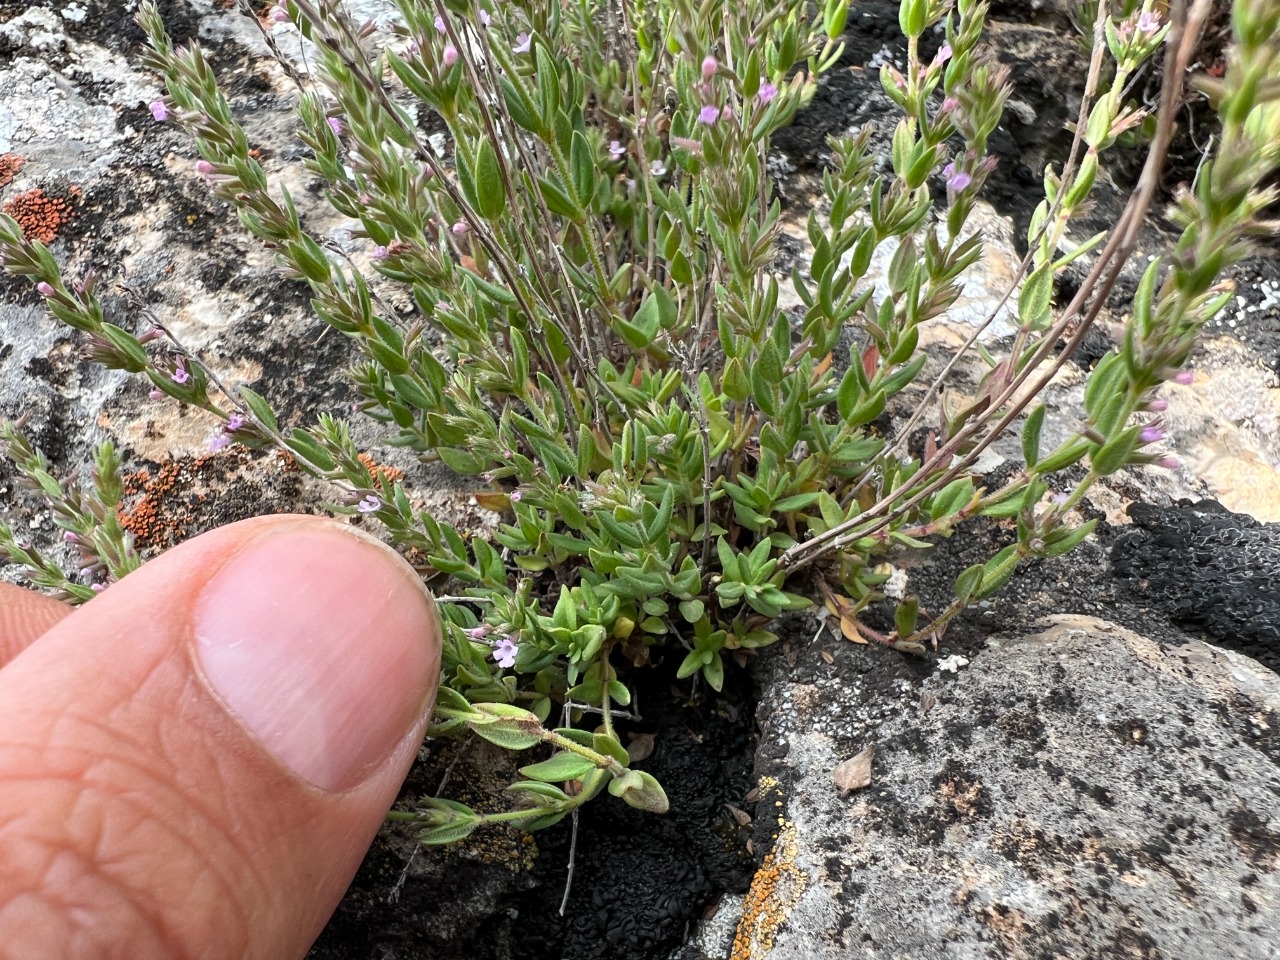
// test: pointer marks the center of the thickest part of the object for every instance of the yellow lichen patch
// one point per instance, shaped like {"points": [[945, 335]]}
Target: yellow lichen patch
{"points": [[775, 889]]}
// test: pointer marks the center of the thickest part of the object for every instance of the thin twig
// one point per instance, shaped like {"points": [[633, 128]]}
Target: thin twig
{"points": [[573, 854]]}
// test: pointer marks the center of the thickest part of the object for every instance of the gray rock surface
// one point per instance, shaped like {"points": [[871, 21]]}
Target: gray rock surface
{"points": [[1078, 791]]}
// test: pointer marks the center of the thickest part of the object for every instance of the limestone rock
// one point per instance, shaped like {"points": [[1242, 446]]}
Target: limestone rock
{"points": [[1079, 791]]}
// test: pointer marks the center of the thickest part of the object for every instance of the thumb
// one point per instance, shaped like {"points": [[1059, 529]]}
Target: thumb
{"points": [[194, 763]]}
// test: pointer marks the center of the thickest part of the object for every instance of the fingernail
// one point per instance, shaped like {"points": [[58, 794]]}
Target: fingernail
{"points": [[323, 644]]}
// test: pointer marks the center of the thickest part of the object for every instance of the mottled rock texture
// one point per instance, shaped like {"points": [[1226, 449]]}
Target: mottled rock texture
{"points": [[1079, 791]]}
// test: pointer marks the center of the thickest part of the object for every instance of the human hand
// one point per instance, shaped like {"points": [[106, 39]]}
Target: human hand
{"points": [[193, 764]]}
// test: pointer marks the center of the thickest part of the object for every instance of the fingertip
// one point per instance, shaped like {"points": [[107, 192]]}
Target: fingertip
{"points": [[24, 616]]}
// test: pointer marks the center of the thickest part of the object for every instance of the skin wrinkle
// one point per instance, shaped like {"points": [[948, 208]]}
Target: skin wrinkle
{"points": [[113, 816]]}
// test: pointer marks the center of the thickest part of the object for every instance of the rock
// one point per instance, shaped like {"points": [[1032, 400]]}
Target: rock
{"points": [[1079, 791], [1210, 569]]}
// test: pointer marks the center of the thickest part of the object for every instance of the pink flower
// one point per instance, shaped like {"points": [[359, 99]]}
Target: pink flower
{"points": [[1148, 22], [219, 442], [369, 504], [234, 422], [336, 125], [440, 28], [484, 18], [709, 114], [1158, 405], [957, 180], [480, 632], [517, 496], [943, 55], [1151, 434], [206, 169], [709, 67], [1169, 463], [155, 394], [450, 55], [766, 94], [180, 374], [949, 104], [45, 289], [460, 228], [522, 44], [379, 252], [1183, 377], [656, 169], [504, 653], [160, 111], [616, 149]]}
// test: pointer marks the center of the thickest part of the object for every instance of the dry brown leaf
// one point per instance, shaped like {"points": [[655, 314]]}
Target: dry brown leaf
{"points": [[849, 627], [740, 816], [854, 773], [497, 502], [640, 747], [827, 658]]}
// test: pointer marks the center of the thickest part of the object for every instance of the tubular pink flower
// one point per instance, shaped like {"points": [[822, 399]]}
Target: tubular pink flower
{"points": [[504, 653], [369, 504], [616, 149], [1158, 405], [46, 290], [180, 374], [1151, 434], [766, 93], [336, 125], [219, 442], [440, 28], [1183, 377], [709, 67], [957, 180], [522, 44], [709, 114], [943, 55], [155, 394], [1169, 463], [159, 111], [460, 228], [450, 55]]}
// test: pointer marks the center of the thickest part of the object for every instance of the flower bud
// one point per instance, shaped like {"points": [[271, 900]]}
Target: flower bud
{"points": [[709, 67], [45, 289]]}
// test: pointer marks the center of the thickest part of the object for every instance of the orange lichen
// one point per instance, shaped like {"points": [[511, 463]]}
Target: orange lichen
{"points": [[774, 890], [40, 215], [389, 474], [10, 164]]}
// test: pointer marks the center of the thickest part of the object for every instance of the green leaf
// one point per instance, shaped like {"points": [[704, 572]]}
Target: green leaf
{"points": [[461, 461], [582, 163], [1031, 435], [692, 610], [640, 790], [1035, 303], [520, 108], [1061, 541], [450, 832], [563, 766], [558, 201], [491, 192], [713, 671], [662, 519], [968, 582], [260, 409], [1116, 452]]}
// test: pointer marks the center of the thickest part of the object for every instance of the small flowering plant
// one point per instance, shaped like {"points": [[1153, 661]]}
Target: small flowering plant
{"points": [[597, 336]]}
